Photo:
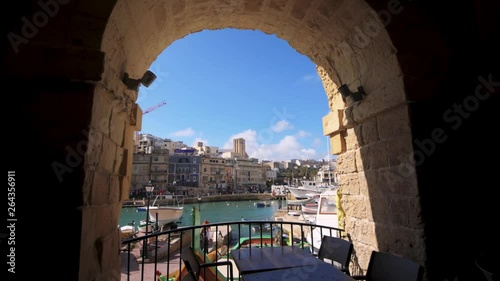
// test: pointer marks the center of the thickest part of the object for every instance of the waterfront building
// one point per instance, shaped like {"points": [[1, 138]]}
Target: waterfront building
{"points": [[149, 167], [184, 172], [207, 150], [213, 174]]}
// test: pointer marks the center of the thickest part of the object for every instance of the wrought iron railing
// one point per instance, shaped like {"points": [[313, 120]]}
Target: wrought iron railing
{"points": [[146, 257]]}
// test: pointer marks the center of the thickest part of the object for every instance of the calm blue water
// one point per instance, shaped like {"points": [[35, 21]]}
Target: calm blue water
{"points": [[212, 211]]}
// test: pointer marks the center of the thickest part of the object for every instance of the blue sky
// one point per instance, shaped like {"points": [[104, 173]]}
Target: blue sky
{"points": [[226, 84]]}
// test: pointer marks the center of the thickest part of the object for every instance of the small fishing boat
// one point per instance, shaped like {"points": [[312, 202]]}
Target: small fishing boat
{"points": [[257, 241], [309, 208], [262, 204], [142, 226], [127, 231]]}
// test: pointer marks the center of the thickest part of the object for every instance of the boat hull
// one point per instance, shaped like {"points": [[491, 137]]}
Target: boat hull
{"points": [[127, 231], [310, 208], [325, 216], [303, 193], [165, 214]]}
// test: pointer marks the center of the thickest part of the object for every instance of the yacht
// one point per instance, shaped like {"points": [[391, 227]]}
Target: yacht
{"points": [[309, 188], [326, 216]]}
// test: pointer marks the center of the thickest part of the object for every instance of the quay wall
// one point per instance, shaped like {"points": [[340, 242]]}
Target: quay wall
{"points": [[204, 199]]}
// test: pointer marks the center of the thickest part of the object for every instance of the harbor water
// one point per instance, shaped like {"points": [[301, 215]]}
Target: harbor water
{"points": [[223, 211]]}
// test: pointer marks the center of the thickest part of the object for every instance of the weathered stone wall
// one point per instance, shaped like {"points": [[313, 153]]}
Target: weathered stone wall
{"points": [[349, 44], [344, 38], [373, 141], [108, 169]]}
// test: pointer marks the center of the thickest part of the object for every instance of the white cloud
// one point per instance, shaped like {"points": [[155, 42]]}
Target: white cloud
{"points": [[317, 142], [310, 77], [198, 139], [303, 134], [184, 133], [281, 125], [287, 148], [250, 137]]}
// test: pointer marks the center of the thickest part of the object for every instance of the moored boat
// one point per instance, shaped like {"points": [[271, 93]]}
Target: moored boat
{"points": [[142, 227], [165, 214], [127, 231], [262, 204], [309, 208], [299, 202], [326, 216], [308, 188]]}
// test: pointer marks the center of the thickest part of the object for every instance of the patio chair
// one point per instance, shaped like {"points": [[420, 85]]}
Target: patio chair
{"points": [[486, 263], [337, 250], [389, 267], [194, 266]]}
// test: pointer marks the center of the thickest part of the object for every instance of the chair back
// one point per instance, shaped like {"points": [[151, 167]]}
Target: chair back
{"points": [[190, 260], [390, 267], [486, 263], [337, 250]]}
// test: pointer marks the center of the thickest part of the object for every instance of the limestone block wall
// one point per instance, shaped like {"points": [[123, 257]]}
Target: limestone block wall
{"points": [[350, 46], [373, 141], [108, 170]]}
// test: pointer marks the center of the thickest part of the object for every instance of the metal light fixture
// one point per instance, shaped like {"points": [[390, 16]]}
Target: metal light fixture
{"points": [[149, 188], [356, 96], [147, 79]]}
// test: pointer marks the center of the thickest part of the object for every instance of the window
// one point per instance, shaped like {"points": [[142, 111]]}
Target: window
{"points": [[194, 170]]}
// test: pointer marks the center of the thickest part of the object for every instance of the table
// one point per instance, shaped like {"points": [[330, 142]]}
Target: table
{"points": [[284, 263]]}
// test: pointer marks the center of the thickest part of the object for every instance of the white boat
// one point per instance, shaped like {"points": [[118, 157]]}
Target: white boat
{"points": [[325, 216], [278, 190], [142, 227], [300, 202], [308, 188], [310, 208], [166, 214], [127, 231]]}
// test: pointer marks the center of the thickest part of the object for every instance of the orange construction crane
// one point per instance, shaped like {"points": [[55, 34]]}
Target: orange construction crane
{"points": [[149, 109]]}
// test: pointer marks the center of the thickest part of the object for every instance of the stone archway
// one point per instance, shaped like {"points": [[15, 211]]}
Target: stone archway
{"points": [[347, 41], [69, 57]]}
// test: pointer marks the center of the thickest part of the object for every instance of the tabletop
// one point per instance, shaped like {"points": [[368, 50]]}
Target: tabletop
{"points": [[267, 258], [283, 263], [319, 272]]}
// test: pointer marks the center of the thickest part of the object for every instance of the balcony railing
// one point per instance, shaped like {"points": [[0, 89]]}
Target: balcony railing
{"points": [[142, 260]]}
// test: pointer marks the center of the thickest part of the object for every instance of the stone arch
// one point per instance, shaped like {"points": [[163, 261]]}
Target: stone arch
{"points": [[76, 52], [346, 39]]}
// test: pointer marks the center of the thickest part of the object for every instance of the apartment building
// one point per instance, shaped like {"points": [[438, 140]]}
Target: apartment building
{"points": [[149, 167], [184, 172], [213, 174]]}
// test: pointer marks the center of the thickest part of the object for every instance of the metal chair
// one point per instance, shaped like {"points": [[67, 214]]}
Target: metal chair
{"points": [[337, 250], [486, 263], [389, 267], [194, 267]]}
